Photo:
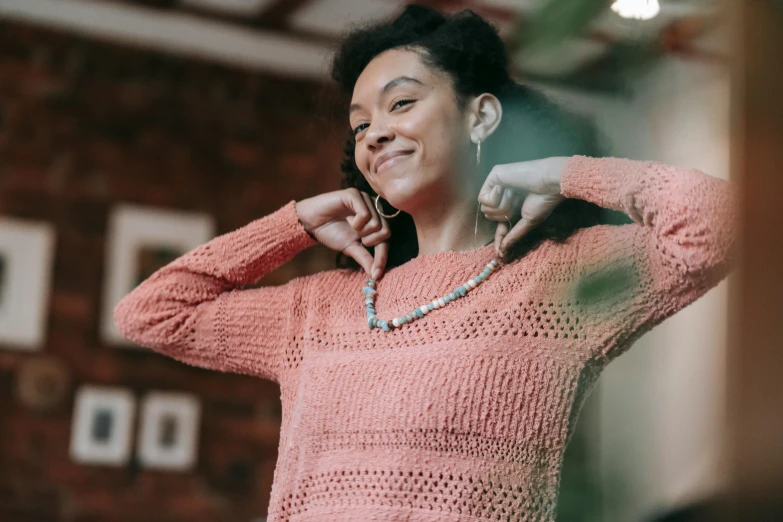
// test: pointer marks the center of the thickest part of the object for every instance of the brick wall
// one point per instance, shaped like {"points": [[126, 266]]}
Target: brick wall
{"points": [[84, 125]]}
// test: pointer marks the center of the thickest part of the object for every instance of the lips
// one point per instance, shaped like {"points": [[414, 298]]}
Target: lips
{"points": [[390, 158]]}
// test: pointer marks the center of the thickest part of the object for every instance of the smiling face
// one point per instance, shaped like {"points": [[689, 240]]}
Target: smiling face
{"points": [[410, 132]]}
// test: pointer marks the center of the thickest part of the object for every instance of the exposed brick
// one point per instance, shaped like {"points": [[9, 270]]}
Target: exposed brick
{"points": [[85, 125]]}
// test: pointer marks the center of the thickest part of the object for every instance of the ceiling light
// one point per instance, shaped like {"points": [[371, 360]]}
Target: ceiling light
{"points": [[637, 9]]}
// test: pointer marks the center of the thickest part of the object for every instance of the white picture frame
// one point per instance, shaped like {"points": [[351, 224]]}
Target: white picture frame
{"points": [[26, 256], [102, 426], [168, 431], [135, 234]]}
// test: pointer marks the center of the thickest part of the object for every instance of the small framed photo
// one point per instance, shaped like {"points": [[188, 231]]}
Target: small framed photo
{"points": [[168, 431], [26, 255], [102, 426], [140, 240]]}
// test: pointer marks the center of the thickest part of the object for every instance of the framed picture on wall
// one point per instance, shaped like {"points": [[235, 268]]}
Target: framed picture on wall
{"points": [[168, 431], [141, 240], [102, 426], [26, 255]]}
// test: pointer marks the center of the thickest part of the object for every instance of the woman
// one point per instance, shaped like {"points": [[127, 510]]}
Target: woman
{"points": [[446, 385]]}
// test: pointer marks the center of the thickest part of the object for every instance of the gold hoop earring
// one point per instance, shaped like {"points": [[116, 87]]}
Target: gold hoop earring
{"points": [[378, 208], [478, 153]]}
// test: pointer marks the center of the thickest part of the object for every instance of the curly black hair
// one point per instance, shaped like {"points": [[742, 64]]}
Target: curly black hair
{"points": [[467, 47]]}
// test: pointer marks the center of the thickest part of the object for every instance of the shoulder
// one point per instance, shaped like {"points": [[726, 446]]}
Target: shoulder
{"points": [[591, 244], [334, 274], [333, 285], [558, 266]]}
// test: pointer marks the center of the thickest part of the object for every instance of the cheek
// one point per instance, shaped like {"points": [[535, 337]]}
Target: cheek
{"points": [[361, 157], [438, 136], [437, 128]]}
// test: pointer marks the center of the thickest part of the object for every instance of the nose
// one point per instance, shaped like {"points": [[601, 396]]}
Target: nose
{"points": [[378, 133]]}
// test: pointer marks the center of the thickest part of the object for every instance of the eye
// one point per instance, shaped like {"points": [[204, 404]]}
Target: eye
{"points": [[401, 103], [396, 105]]}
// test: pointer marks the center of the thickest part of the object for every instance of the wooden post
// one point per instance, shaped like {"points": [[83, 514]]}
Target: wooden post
{"points": [[756, 330]]}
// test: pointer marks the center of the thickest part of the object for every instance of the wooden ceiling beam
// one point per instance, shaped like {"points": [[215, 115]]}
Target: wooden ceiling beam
{"points": [[500, 14], [278, 14], [678, 38]]}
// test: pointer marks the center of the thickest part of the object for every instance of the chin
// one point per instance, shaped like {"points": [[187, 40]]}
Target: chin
{"points": [[406, 196]]}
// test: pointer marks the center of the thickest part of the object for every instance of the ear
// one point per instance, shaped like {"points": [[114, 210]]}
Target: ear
{"points": [[485, 113]]}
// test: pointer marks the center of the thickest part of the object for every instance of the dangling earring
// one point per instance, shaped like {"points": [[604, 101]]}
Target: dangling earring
{"points": [[378, 208], [478, 162]]}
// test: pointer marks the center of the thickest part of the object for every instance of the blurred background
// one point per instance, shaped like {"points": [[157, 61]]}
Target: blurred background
{"points": [[133, 130]]}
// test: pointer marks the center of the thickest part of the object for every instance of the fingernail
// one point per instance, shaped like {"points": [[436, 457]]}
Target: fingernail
{"points": [[376, 273]]}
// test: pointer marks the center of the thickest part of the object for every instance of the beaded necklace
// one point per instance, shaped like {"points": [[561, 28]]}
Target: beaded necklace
{"points": [[370, 292]]}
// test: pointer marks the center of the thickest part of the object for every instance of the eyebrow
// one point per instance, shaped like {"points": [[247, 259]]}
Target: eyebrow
{"points": [[386, 88]]}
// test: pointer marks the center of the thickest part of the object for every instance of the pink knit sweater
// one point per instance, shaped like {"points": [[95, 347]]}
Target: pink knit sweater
{"points": [[462, 415]]}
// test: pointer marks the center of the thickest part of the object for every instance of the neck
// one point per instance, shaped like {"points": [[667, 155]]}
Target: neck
{"points": [[449, 226]]}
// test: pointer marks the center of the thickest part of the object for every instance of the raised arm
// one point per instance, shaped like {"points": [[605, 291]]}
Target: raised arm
{"points": [[682, 243], [195, 310]]}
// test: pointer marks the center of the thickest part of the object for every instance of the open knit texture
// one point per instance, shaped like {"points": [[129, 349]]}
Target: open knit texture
{"points": [[464, 414]]}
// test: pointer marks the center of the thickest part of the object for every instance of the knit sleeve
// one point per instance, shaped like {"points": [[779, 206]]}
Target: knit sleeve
{"points": [[195, 309], [682, 243]]}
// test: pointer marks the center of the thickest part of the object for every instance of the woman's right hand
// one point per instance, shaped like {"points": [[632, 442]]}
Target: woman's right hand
{"points": [[346, 221]]}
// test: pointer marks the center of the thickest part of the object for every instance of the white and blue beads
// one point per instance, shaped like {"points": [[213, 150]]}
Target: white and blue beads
{"points": [[387, 326]]}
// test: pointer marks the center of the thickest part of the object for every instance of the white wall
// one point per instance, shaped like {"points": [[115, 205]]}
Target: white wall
{"points": [[662, 403]]}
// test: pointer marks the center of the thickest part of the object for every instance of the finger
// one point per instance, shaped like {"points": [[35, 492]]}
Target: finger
{"points": [[496, 216], [361, 255], [484, 194], [514, 175], [379, 263], [502, 215], [370, 240], [524, 176], [374, 238], [354, 201], [500, 203], [500, 233], [517, 233], [490, 192], [506, 197], [515, 206], [533, 213], [374, 223]]}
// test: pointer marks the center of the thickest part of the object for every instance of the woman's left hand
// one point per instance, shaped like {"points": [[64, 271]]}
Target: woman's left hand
{"points": [[529, 188]]}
